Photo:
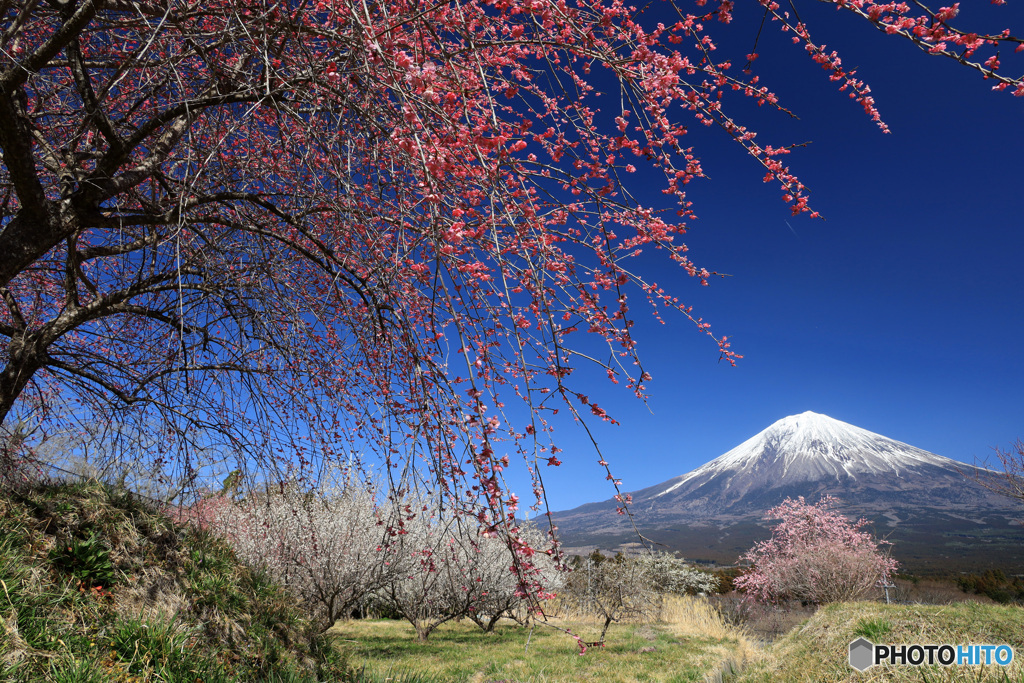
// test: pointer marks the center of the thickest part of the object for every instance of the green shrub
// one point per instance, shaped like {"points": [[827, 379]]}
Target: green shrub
{"points": [[994, 584]]}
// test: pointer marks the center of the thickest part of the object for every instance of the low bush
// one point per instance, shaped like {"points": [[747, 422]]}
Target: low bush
{"points": [[994, 584]]}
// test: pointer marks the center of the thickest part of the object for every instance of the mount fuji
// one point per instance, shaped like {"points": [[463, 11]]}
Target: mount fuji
{"points": [[934, 510]]}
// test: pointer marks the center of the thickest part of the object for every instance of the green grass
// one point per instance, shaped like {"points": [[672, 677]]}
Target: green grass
{"points": [[691, 645], [678, 650], [872, 629]]}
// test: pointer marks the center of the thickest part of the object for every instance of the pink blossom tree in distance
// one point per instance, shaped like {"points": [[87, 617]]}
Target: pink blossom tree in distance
{"points": [[815, 555]]}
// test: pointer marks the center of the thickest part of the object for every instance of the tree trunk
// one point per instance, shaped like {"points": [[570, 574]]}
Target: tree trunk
{"points": [[23, 364]]}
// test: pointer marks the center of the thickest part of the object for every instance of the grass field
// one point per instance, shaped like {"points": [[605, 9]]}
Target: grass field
{"points": [[689, 644]]}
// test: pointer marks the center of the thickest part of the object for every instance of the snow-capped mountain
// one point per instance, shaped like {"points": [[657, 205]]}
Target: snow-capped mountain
{"points": [[813, 447], [811, 454], [904, 489]]}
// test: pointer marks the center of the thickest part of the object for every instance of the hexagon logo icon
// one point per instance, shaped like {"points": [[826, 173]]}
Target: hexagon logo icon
{"points": [[862, 653]]}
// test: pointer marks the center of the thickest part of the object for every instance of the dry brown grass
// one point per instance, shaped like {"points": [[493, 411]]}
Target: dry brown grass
{"points": [[817, 651], [934, 592]]}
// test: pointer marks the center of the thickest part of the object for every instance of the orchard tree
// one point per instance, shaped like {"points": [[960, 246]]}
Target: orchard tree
{"points": [[613, 589], [488, 584], [331, 547], [629, 587], [447, 569], [476, 580], [673, 575], [286, 232], [431, 585], [815, 555]]}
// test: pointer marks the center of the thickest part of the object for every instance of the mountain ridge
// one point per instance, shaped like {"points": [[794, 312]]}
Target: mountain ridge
{"points": [[922, 499]]}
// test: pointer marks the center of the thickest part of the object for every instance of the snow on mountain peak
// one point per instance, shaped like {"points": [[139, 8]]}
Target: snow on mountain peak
{"points": [[811, 447]]}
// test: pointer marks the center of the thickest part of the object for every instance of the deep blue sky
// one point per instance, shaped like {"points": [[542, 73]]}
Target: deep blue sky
{"points": [[901, 313]]}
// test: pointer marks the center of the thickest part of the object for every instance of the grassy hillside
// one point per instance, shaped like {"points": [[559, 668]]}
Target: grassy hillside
{"points": [[97, 586], [818, 650]]}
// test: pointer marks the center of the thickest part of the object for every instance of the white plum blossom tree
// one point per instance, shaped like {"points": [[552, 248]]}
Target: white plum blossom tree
{"points": [[331, 547]]}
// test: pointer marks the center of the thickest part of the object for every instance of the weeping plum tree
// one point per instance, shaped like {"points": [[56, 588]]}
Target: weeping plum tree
{"points": [[290, 229]]}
